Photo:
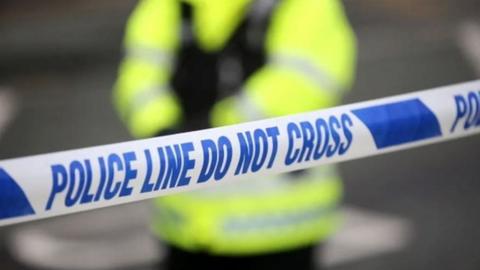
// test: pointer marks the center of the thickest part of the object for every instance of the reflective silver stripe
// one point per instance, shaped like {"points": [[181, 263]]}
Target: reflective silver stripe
{"points": [[144, 97], [247, 107], [278, 221], [322, 172], [308, 69], [153, 56]]}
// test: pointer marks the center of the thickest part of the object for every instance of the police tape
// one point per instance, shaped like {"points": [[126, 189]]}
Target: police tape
{"points": [[71, 181]]}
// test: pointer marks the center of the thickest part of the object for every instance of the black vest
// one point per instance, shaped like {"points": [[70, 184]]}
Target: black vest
{"points": [[201, 78]]}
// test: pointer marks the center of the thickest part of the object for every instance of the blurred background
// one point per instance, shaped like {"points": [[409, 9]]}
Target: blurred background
{"points": [[416, 209]]}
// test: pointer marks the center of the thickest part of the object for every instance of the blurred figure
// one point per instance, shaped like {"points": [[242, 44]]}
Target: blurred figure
{"points": [[199, 63]]}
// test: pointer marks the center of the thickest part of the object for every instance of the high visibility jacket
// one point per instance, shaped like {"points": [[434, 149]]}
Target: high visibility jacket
{"points": [[308, 54]]}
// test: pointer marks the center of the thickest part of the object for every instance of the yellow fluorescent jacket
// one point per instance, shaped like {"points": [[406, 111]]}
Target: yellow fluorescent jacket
{"points": [[310, 51]]}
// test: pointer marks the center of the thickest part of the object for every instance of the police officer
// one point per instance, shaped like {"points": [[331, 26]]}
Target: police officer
{"points": [[203, 63]]}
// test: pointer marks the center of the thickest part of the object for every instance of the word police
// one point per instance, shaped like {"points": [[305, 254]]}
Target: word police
{"points": [[468, 111]]}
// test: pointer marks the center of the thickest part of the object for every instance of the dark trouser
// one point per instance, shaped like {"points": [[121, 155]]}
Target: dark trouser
{"points": [[301, 259]]}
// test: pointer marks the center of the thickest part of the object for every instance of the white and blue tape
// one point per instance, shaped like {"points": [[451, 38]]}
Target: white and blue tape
{"points": [[59, 183]]}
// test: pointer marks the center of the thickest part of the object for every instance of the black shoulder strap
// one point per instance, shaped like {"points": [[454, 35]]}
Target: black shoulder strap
{"points": [[258, 20]]}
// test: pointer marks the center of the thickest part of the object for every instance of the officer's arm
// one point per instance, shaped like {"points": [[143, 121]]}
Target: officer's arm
{"points": [[142, 94], [311, 55]]}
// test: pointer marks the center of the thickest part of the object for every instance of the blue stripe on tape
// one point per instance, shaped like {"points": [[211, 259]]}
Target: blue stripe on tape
{"points": [[399, 122], [13, 202]]}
